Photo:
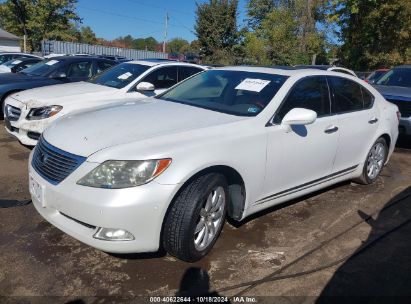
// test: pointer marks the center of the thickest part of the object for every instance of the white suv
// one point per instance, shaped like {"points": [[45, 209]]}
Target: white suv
{"points": [[31, 111], [226, 142]]}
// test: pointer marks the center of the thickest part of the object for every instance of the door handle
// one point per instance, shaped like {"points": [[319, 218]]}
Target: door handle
{"points": [[331, 129], [373, 120]]}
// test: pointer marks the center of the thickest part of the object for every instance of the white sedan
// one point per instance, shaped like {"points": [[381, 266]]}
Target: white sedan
{"points": [[29, 112], [136, 176]]}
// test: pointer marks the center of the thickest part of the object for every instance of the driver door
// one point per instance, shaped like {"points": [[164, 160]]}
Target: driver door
{"points": [[303, 155]]}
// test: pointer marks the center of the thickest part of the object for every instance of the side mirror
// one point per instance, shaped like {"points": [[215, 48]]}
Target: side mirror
{"points": [[299, 116], [145, 86], [59, 75]]}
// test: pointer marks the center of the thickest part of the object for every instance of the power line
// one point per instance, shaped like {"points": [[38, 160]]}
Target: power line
{"points": [[158, 6], [130, 17]]}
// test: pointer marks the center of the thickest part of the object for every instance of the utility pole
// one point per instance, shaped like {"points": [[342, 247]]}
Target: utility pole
{"points": [[165, 33]]}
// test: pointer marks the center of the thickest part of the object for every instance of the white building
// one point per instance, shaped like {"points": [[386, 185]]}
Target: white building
{"points": [[9, 42]]}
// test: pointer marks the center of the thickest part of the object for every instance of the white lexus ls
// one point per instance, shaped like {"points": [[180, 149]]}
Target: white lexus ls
{"points": [[228, 142], [29, 112]]}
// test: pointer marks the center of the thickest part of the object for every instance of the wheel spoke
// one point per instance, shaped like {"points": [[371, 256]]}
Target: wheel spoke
{"points": [[211, 228], [204, 240], [218, 204], [200, 226], [209, 202]]}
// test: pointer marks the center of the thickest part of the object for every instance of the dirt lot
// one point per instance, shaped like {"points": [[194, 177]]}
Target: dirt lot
{"points": [[38, 260]]}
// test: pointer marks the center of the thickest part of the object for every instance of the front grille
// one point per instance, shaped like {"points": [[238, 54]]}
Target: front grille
{"points": [[54, 164], [12, 113], [403, 106]]}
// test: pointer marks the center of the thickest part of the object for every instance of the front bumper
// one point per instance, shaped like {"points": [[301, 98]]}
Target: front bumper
{"points": [[79, 210], [26, 131], [405, 125]]}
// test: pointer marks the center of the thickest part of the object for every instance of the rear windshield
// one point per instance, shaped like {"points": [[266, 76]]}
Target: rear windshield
{"points": [[233, 92], [120, 75]]}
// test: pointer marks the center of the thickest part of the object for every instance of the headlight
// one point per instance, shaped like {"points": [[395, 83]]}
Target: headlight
{"points": [[118, 174], [43, 112]]}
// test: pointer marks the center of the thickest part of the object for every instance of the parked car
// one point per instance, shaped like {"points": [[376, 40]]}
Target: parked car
{"points": [[18, 64], [55, 70], [328, 68], [226, 142], [4, 57], [39, 107], [374, 76], [395, 86]]}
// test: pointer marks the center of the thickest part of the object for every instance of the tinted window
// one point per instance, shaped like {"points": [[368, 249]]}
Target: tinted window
{"points": [[347, 95], [103, 65], [310, 93], [396, 77], [162, 78], [368, 98], [44, 67], [120, 75], [5, 58], [185, 72], [79, 70], [232, 92]]}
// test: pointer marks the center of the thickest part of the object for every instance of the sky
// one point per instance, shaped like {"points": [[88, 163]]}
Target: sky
{"points": [[110, 19]]}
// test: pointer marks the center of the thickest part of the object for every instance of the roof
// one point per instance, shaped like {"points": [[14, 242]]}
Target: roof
{"points": [[154, 62], [7, 35], [404, 66]]}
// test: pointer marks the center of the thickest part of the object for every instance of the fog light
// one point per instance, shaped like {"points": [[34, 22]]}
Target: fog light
{"points": [[113, 234]]}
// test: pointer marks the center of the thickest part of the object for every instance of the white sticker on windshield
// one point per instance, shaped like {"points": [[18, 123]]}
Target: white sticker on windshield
{"points": [[125, 76], [16, 61], [250, 84], [52, 62]]}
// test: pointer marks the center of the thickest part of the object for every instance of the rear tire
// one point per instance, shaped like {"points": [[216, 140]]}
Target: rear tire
{"points": [[196, 218], [374, 162]]}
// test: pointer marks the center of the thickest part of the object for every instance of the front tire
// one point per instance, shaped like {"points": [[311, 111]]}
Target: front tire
{"points": [[375, 161], [196, 218]]}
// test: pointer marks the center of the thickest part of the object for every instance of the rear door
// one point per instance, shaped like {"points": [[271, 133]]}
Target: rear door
{"points": [[358, 121]]}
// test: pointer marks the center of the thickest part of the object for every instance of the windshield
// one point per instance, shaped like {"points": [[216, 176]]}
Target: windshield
{"points": [[397, 77], [232, 92], [43, 68], [120, 75], [12, 63]]}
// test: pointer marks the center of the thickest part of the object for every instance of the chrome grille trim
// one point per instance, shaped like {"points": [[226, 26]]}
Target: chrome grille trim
{"points": [[54, 164]]}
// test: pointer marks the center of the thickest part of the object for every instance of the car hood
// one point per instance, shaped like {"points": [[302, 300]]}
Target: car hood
{"points": [[7, 78], [88, 132], [394, 92], [62, 94]]}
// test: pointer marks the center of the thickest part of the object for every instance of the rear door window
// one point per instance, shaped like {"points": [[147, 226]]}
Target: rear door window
{"points": [[347, 95], [79, 70], [103, 65], [185, 72], [309, 93]]}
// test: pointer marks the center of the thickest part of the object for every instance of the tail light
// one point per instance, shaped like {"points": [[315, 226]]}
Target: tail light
{"points": [[398, 115]]}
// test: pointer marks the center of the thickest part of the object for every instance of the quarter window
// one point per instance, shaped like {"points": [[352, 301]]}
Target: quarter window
{"points": [[368, 98], [309, 93], [347, 95], [163, 78]]}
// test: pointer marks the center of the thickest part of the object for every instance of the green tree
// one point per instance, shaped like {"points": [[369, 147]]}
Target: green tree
{"points": [[39, 19], [216, 29], [374, 33], [176, 45], [149, 44], [86, 35]]}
